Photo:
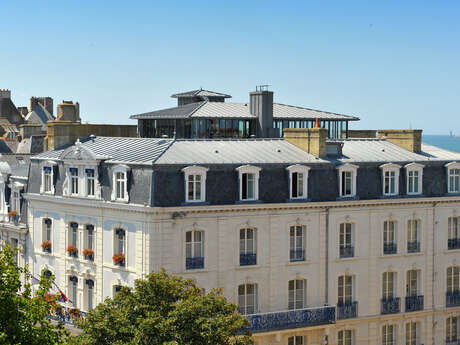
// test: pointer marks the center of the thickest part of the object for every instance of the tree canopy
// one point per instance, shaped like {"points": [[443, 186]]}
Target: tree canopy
{"points": [[165, 309], [24, 317]]}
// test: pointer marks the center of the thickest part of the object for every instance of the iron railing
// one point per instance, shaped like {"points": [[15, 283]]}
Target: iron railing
{"points": [[248, 259], [297, 255], [347, 251], [413, 247], [347, 310], [453, 243], [453, 298], [391, 305], [414, 303], [390, 248], [193, 263]]}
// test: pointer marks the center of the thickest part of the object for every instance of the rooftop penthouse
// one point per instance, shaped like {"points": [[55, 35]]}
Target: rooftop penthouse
{"points": [[205, 114]]}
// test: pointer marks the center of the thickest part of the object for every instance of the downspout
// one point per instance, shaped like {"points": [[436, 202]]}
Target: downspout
{"points": [[433, 274], [327, 257]]}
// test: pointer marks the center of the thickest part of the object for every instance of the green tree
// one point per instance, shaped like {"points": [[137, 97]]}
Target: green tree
{"points": [[23, 317], [165, 309]]}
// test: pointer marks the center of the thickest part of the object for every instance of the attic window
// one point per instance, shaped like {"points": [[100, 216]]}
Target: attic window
{"points": [[248, 177], [298, 181], [347, 180]]}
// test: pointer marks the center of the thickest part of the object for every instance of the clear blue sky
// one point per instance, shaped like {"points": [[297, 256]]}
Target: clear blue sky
{"points": [[394, 64]]}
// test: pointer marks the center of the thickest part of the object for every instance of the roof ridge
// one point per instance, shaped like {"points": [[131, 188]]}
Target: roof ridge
{"points": [[198, 107]]}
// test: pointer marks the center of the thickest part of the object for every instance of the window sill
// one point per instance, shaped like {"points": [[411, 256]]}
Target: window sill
{"points": [[414, 254], [297, 263], [195, 203], [196, 270], [383, 256], [346, 198], [298, 200], [391, 196], [450, 251], [239, 202], [354, 258], [120, 268], [248, 267]]}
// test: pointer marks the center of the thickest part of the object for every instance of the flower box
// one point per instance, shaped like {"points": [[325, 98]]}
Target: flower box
{"points": [[88, 253], [72, 250], [119, 259], [46, 246], [13, 216]]}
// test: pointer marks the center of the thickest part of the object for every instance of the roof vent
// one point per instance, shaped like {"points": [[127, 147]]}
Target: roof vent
{"points": [[216, 151]]}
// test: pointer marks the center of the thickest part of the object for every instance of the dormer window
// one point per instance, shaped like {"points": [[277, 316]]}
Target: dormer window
{"points": [[414, 176], [347, 180], [390, 179], [47, 185], [90, 182], [120, 183], [248, 177], [195, 183], [74, 181], [453, 177], [298, 181]]}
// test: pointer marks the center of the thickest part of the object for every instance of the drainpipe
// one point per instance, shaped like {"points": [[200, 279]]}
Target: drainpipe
{"points": [[433, 273], [327, 256]]}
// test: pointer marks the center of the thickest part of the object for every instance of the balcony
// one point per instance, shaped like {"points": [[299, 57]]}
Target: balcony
{"points": [[291, 319], [390, 248], [297, 255], [453, 243], [67, 315], [391, 305], [414, 303], [347, 310], [248, 259], [413, 247], [453, 342], [194, 263], [347, 251], [453, 299]]}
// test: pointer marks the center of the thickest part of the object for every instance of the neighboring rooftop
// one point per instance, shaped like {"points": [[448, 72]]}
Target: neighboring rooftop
{"points": [[200, 93]]}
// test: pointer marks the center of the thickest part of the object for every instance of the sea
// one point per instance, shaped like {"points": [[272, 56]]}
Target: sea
{"points": [[444, 141]]}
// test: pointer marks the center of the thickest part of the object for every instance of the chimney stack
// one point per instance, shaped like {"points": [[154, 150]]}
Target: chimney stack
{"points": [[311, 140], [409, 139], [4, 93], [261, 105]]}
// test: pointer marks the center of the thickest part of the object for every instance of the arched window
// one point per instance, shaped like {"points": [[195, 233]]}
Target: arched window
{"points": [[247, 298]]}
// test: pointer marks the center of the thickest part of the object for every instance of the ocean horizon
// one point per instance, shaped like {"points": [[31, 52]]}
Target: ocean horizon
{"points": [[444, 141]]}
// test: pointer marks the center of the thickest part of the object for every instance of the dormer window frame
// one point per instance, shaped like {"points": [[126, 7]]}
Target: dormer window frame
{"points": [[47, 170], [453, 177], [353, 170], [414, 168], [193, 172], [82, 166], [253, 172], [294, 171], [390, 171], [120, 184]]}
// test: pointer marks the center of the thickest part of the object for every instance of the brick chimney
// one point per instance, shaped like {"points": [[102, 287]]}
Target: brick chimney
{"points": [[4, 93], [261, 105], [409, 139], [311, 140]]}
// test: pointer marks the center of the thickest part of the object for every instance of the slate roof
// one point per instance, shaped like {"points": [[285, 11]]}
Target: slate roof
{"points": [[241, 111], [200, 93], [20, 170], [39, 115]]}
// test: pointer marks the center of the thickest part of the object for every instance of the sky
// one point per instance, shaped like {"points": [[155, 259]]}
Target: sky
{"points": [[394, 64]]}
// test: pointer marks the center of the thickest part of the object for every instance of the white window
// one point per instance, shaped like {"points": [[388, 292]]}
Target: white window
{"points": [[73, 288], [390, 173], [248, 177], [411, 333], [347, 180], [412, 286], [89, 240], [414, 174], [90, 182], [413, 244], [297, 243], [120, 183], [120, 241], [89, 294], [452, 330], [298, 181], [346, 240], [345, 289], [297, 289], [345, 337], [16, 200], [453, 279], [388, 285], [248, 248], [47, 185], [247, 299], [388, 335], [296, 340], [195, 183], [389, 237], [194, 249], [453, 241], [46, 235], [73, 181], [453, 177]]}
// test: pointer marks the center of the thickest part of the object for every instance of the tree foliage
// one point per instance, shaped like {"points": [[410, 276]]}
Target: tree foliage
{"points": [[165, 309], [23, 317]]}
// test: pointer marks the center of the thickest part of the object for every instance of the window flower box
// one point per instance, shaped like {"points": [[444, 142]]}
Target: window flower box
{"points": [[88, 253], [119, 259], [72, 250], [46, 246], [13, 216]]}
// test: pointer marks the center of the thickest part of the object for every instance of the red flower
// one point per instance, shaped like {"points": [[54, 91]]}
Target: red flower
{"points": [[71, 249], [46, 245], [88, 252], [119, 258]]}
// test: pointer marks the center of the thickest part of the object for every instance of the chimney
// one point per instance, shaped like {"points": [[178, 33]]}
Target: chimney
{"points": [[5, 93], [311, 140], [409, 139], [261, 105]]}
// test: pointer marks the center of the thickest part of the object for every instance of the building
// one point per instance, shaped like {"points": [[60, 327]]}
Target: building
{"points": [[319, 241], [205, 114]]}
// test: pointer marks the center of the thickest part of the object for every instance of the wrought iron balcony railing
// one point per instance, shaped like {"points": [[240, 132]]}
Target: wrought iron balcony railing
{"points": [[414, 303], [248, 259], [452, 341], [413, 247], [347, 310], [391, 305], [347, 251], [194, 263], [390, 248], [453, 298], [297, 255], [67, 315], [291, 319], [453, 243]]}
